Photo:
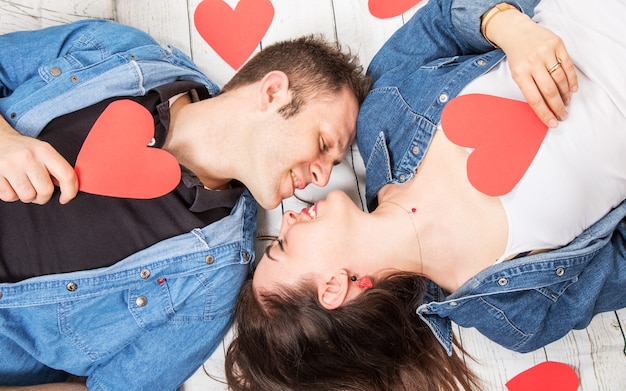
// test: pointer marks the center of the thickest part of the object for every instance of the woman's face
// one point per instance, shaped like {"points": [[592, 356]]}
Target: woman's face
{"points": [[310, 243]]}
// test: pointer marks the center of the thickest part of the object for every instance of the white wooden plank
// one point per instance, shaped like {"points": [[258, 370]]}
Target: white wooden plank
{"points": [[294, 18], [494, 364], [166, 20], [57, 12], [35, 14], [361, 31], [596, 353], [16, 17]]}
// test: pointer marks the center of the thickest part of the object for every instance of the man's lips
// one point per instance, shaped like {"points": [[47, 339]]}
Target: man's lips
{"points": [[296, 182]]}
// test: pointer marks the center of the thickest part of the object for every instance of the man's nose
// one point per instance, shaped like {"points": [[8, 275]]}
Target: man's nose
{"points": [[320, 173]]}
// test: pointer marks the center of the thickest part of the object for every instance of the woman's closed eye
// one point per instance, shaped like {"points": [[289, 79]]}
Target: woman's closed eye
{"points": [[270, 248]]}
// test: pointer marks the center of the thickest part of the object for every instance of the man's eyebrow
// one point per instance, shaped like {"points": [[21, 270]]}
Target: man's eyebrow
{"points": [[340, 147], [267, 253]]}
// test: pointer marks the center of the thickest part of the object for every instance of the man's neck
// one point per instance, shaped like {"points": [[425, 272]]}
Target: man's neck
{"points": [[195, 140]]}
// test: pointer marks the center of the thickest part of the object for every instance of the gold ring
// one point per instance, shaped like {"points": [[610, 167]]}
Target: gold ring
{"points": [[555, 66]]}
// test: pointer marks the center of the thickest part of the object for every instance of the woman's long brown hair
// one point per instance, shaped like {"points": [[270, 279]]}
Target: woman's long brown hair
{"points": [[287, 341]]}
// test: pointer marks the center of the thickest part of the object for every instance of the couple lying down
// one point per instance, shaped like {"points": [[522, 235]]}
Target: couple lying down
{"points": [[349, 300]]}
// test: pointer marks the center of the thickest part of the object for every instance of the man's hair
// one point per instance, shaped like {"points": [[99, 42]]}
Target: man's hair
{"points": [[286, 340], [313, 66]]}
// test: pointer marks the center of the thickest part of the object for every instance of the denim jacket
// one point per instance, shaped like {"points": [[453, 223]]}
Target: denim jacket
{"points": [[58, 70], [522, 304], [158, 314]]}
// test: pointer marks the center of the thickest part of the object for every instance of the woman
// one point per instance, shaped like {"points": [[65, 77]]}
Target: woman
{"points": [[346, 300]]}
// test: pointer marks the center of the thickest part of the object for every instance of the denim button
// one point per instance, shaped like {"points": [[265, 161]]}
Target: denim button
{"points": [[74, 79], [560, 271], [141, 301], [145, 273], [71, 286], [481, 62], [415, 150], [443, 98], [402, 178], [55, 71], [453, 304], [503, 281], [209, 259], [246, 255], [13, 115]]}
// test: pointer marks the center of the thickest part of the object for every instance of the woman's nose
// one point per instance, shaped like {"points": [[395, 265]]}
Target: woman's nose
{"points": [[289, 218]]}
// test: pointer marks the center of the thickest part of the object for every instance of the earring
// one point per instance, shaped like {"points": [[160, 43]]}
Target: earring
{"points": [[364, 282]]}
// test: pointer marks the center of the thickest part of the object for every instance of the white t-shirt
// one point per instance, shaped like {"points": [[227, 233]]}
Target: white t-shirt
{"points": [[579, 172]]}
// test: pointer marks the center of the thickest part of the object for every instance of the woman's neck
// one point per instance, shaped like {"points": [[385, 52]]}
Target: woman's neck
{"points": [[412, 242], [395, 232], [461, 231]]}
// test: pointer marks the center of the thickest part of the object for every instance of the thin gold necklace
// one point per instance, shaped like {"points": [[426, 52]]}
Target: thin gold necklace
{"points": [[410, 212]]}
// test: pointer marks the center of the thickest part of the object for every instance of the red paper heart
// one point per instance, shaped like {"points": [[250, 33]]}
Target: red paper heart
{"points": [[389, 8], [505, 134], [115, 160], [547, 376], [233, 34]]}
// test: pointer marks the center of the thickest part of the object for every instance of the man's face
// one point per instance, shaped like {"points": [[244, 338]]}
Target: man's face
{"points": [[292, 153]]}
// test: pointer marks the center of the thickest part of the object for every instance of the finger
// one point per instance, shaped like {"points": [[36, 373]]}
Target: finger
{"points": [[23, 187], [68, 183], [60, 173], [7, 194], [569, 70], [559, 77], [41, 187], [551, 94], [535, 99]]}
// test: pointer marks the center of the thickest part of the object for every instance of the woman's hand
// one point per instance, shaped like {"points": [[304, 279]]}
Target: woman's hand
{"points": [[29, 169], [539, 62]]}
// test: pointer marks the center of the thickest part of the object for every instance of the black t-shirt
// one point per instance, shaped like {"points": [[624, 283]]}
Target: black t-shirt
{"points": [[93, 231]]}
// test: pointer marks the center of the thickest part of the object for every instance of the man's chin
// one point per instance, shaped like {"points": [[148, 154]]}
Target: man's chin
{"points": [[268, 204]]}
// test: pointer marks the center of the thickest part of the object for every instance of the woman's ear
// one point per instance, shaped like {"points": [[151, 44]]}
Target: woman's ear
{"points": [[332, 292], [273, 89]]}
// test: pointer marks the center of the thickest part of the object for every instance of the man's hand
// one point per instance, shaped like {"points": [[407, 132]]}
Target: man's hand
{"points": [[539, 62], [29, 169]]}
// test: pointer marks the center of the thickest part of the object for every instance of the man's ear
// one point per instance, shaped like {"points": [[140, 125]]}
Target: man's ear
{"points": [[332, 292], [273, 89]]}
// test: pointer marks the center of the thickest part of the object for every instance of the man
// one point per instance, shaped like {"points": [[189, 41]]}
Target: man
{"points": [[136, 291]]}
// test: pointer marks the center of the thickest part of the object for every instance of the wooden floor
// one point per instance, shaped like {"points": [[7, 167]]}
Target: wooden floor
{"points": [[598, 353]]}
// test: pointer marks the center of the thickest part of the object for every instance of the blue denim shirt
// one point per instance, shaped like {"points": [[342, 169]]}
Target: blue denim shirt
{"points": [[55, 71], [521, 304], [156, 316]]}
